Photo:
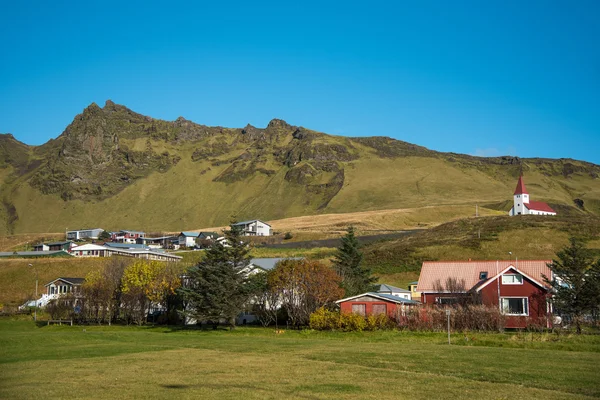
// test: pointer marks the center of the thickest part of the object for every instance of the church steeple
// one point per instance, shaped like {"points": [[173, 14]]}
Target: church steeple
{"points": [[521, 189]]}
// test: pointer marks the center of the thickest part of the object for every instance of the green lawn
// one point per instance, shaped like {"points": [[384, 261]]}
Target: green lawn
{"points": [[255, 363]]}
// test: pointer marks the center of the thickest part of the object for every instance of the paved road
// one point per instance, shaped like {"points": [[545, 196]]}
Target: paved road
{"points": [[336, 242]]}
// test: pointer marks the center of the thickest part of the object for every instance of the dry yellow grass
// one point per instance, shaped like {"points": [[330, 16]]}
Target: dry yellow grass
{"points": [[324, 226], [18, 279], [12, 242]]}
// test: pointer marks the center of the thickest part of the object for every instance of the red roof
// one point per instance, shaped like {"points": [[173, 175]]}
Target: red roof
{"points": [[521, 189], [434, 271], [539, 206]]}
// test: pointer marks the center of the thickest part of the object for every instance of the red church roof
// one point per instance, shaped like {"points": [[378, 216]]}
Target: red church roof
{"points": [[539, 206], [521, 189]]}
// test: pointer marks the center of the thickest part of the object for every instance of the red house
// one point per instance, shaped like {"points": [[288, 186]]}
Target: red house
{"points": [[518, 288], [126, 236], [375, 303]]}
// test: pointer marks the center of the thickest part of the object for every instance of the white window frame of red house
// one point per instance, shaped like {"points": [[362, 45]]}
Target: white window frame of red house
{"points": [[512, 283], [525, 305]]}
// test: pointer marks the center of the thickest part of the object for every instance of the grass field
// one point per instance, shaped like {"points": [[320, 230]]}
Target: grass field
{"points": [[255, 363], [396, 262]]}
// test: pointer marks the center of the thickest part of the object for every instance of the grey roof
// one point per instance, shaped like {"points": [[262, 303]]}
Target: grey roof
{"points": [[128, 231], [384, 296], [413, 283], [125, 245], [148, 251], [191, 234], [208, 234], [389, 288], [74, 281], [88, 229], [269, 263], [250, 221], [57, 243], [158, 238], [394, 298]]}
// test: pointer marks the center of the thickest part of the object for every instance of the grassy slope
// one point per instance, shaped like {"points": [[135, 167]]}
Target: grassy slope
{"points": [[398, 261], [325, 226], [248, 363], [186, 197]]}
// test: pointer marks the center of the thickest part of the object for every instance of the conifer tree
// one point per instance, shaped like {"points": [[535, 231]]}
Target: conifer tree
{"points": [[347, 264], [575, 282], [217, 287]]}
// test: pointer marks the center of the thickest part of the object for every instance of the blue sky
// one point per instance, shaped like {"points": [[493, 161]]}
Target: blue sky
{"points": [[484, 78]]}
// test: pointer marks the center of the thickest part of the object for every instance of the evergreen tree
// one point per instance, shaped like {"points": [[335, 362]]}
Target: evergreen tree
{"points": [[217, 287], [575, 282], [347, 264]]}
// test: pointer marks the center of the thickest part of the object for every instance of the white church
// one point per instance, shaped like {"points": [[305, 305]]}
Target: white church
{"points": [[523, 206]]}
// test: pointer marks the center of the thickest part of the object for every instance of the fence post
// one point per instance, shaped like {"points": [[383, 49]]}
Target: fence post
{"points": [[448, 316]]}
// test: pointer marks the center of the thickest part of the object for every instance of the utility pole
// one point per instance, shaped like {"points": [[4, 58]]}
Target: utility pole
{"points": [[36, 293]]}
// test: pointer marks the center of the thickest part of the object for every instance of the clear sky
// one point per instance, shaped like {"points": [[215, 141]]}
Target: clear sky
{"points": [[482, 77]]}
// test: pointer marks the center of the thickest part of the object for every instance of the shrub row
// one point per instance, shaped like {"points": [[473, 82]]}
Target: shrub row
{"points": [[463, 318], [325, 320]]}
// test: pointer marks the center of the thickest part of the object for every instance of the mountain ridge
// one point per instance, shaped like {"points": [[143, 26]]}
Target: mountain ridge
{"points": [[108, 153]]}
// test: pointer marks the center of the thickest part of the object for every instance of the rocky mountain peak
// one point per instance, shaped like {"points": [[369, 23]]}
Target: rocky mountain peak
{"points": [[279, 124]]}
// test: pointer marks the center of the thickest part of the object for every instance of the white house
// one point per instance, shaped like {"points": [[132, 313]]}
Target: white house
{"points": [[254, 227], [56, 288], [524, 206], [265, 264], [394, 291], [188, 239], [94, 250], [81, 234]]}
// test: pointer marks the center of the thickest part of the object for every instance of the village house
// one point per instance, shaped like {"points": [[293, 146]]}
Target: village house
{"points": [[394, 291], [165, 242], [126, 246], [54, 246], [208, 235], [94, 250], [522, 205], [372, 303], [188, 239], [83, 234], [414, 294], [126, 236], [59, 287], [517, 288], [254, 227]]}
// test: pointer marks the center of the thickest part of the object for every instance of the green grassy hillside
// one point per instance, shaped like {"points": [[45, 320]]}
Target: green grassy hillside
{"points": [[116, 169], [491, 238]]}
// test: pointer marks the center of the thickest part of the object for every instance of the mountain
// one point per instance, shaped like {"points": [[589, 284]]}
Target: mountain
{"points": [[115, 168]]}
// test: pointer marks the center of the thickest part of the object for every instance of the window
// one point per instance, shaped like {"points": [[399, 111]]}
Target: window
{"points": [[512, 279], [515, 305], [359, 309], [379, 309], [483, 275], [447, 300], [414, 288]]}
